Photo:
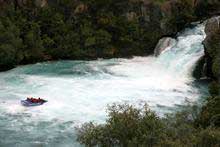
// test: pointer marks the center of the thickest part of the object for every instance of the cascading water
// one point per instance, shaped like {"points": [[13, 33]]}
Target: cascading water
{"points": [[78, 91]]}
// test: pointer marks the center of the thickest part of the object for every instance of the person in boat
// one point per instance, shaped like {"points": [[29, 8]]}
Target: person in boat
{"points": [[28, 99], [35, 100], [39, 100]]}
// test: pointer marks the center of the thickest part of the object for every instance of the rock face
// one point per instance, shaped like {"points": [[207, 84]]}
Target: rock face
{"points": [[164, 43], [212, 25], [212, 59], [212, 47]]}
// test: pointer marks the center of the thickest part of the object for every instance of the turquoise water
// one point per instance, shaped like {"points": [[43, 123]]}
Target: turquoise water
{"points": [[78, 91]]}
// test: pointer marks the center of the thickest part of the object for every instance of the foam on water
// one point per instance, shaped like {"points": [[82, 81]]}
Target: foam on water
{"points": [[79, 91]]}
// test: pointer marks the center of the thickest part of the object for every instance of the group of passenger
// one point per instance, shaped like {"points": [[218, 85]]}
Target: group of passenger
{"points": [[34, 100]]}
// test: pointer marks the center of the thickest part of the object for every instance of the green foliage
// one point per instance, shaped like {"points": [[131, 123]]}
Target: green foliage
{"points": [[127, 125], [180, 127], [7, 54], [209, 137], [216, 66], [103, 38], [214, 88], [10, 43], [214, 44], [88, 29], [33, 49], [210, 114]]}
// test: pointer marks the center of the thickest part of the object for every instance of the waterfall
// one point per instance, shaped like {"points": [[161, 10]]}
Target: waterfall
{"points": [[79, 91], [181, 57]]}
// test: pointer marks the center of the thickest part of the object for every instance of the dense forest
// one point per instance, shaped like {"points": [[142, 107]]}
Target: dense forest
{"points": [[43, 30]]}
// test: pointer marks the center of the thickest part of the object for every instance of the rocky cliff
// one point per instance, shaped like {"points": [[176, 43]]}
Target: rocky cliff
{"points": [[212, 47], [210, 111]]}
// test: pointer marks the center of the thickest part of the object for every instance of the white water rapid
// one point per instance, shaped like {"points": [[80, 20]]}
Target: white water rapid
{"points": [[78, 91]]}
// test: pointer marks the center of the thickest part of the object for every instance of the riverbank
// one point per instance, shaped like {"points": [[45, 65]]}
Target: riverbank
{"points": [[43, 30]]}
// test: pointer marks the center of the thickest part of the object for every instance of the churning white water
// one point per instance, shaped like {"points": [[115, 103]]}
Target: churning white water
{"points": [[78, 91]]}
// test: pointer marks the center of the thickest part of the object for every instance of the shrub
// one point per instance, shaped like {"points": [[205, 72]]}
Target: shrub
{"points": [[214, 89], [210, 114], [209, 137], [128, 126], [125, 126]]}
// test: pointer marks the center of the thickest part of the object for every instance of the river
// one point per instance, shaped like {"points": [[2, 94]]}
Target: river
{"points": [[79, 91]]}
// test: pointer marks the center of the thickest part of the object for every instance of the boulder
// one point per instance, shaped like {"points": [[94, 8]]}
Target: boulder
{"points": [[163, 44], [212, 25]]}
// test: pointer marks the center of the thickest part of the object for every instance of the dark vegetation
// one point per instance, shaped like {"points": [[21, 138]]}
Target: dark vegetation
{"points": [[41, 30], [129, 126]]}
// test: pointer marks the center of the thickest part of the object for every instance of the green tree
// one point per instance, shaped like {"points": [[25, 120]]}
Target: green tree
{"points": [[33, 49], [210, 114], [125, 126], [209, 137], [10, 44]]}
